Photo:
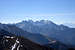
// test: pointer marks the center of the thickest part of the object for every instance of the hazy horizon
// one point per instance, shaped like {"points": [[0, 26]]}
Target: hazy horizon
{"points": [[58, 11]]}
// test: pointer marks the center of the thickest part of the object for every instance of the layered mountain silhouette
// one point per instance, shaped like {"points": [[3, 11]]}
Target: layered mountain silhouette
{"points": [[11, 36], [37, 38], [61, 33]]}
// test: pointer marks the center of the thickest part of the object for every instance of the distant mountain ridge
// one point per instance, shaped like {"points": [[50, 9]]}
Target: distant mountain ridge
{"points": [[35, 27], [62, 33], [72, 25]]}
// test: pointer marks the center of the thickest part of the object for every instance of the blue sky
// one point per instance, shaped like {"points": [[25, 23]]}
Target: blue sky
{"points": [[58, 11]]}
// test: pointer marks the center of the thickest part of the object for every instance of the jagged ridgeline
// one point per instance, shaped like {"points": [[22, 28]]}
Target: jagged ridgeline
{"points": [[48, 28]]}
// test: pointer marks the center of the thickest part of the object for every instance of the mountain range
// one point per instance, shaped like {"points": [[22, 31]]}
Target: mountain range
{"points": [[37, 38], [61, 32], [42, 33], [10, 34]]}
